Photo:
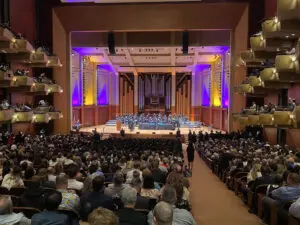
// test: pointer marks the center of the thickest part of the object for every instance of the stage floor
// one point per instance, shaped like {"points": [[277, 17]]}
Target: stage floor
{"points": [[104, 129]]}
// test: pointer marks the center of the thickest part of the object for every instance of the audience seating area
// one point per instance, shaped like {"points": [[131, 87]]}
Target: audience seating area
{"points": [[67, 177], [265, 177]]}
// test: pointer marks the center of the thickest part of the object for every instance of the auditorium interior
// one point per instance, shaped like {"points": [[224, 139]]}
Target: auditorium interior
{"points": [[93, 92]]}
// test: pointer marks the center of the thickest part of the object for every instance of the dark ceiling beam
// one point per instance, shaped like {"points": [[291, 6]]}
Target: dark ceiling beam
{"points": [[151, 39]]}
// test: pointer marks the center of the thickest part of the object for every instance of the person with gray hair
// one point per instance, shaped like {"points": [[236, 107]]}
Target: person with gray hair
{"points": [[128, 215], [6, 213], [163, 214], [180, 216]]}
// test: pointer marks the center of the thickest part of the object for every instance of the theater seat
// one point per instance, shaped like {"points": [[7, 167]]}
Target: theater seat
{"points": [[293, 220]]}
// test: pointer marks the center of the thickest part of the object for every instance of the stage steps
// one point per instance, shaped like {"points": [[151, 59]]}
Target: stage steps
{"points": [[111, 123]]}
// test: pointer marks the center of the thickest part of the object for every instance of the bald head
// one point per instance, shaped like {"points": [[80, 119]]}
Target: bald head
{"points": [[163, 214]]}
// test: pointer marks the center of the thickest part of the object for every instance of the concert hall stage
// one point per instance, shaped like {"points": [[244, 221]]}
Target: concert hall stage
{"points": [[108, 130]]}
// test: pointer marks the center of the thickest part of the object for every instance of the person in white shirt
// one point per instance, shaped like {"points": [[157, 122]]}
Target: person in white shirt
{"points": [[72, 171]]}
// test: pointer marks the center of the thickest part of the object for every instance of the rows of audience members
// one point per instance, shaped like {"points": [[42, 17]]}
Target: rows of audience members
{"points": [[277, 167], [104, 183]]}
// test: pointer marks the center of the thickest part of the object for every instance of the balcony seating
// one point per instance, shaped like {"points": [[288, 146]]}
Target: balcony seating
{"points": [[255, 81], [246, 88], [6, 78], [23, 81], [283, 118], [22, 117], [40, 118], [243, 120], [16, 46], [269, 74], [269, 27], [266, 119], [53, 61], [55, 115], [288, 9], [6, 115], [253, 120], [257, 43], [54, 88], [6, 34], [46, 110], [288, 63], [39, 87]]}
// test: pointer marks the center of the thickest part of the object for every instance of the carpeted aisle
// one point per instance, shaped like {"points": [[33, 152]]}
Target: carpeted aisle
{"points": [[213, 203]]}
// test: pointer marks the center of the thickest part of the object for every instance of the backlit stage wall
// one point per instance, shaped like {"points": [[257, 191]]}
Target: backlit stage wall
{"points": [[210, 91], [94, 96]]}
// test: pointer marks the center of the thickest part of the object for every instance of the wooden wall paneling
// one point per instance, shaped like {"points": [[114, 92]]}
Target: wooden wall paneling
{"points": [[62, 75], [239, 42]]}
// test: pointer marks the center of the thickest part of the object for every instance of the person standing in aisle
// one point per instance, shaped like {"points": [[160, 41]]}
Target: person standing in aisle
{"points": [[190, 155]]}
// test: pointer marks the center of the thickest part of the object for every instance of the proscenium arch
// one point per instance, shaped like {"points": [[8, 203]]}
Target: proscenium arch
{"points": [[135, 17]]}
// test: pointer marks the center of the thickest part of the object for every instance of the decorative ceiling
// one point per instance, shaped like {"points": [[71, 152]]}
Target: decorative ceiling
{"points": [[153, 59]]}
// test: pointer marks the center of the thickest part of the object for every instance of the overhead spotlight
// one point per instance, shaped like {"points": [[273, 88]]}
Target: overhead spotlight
{"points": [[287, 36], [276, 19], [293, 35]]}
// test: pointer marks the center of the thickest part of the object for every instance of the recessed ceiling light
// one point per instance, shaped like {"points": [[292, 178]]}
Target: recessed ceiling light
{"points": [[287, 36], [293, 35]]}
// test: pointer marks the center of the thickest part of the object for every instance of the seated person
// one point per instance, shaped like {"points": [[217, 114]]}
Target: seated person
{"points": [[95, 199], [13, 179], [141, 202], [101, 216], [265, 178], [33, 195], [294, 209], [127, 215], [69, 199], [5, 105], [289, 192], [163, 214], [6, 213], [180, 216], [148, 189], [50, 216], [72, 171], [115, 189]]}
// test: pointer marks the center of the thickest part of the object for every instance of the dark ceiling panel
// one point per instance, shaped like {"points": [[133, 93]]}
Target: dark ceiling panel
{"points": [[197, 38]]}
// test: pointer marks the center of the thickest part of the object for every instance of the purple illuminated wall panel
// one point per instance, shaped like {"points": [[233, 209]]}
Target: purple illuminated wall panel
{"points": [[76, 80], [226, 79], [103, 74], [206, 86]]}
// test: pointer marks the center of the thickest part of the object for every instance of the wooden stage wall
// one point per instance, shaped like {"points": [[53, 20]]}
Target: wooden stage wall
{"points": [[94, 115]]}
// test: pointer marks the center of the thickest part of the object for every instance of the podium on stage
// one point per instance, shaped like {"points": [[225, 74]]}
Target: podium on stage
{"points": [[118, 125]]}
